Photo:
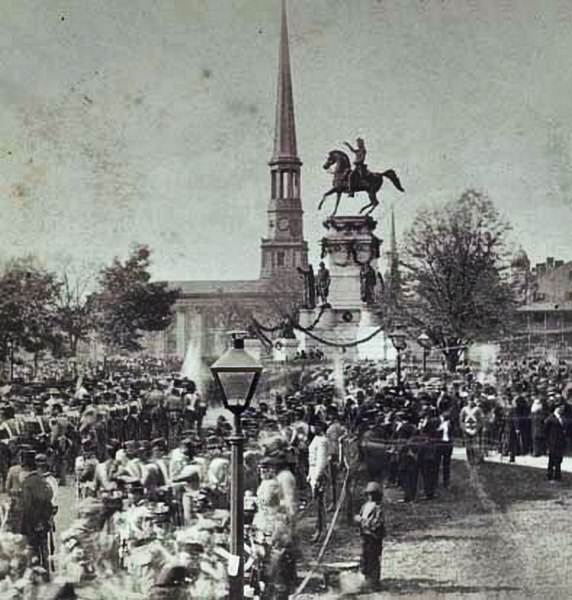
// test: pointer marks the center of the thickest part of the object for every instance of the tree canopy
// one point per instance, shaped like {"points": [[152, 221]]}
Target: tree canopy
{"points": [[28, 307], [455, 286], [41, 310], [128, 303]]}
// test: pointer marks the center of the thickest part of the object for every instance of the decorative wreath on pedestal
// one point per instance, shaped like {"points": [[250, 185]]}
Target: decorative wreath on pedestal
{"points": [[348, 316]]}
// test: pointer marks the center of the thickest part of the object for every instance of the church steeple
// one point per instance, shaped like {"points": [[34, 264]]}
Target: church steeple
{"points": [[284, 249], [393, 240], [285, 147], [393, 276]]}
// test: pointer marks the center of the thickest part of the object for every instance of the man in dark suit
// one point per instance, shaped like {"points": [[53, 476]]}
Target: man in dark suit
{"points": [[406, 448], [555, 427]]}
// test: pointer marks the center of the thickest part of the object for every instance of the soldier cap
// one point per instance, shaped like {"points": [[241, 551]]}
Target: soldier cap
{"points": [[41, 459], [159, 443], [373, 488], [270, 462]]}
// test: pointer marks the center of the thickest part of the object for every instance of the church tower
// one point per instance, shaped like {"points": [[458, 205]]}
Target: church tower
{"points": [[392, 276], [284, 249]]}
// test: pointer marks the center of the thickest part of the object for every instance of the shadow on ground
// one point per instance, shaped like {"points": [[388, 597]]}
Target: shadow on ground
{"points": [[461, 514]]}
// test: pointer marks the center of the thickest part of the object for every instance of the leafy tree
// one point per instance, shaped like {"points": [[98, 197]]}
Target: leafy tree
{"points": [[75, 306], [28, 303], [455, 285], [128, 303]]}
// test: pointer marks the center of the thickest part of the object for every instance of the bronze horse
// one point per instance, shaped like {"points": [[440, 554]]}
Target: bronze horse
{"points": [[366, 182]]}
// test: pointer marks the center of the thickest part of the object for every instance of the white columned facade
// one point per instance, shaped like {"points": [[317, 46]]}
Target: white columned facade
{"points": [[181, 332]]}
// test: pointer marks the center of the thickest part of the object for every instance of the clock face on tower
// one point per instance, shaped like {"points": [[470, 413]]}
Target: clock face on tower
{"points": [[283, 224]]}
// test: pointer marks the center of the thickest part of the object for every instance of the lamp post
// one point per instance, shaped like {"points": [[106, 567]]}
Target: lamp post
{"points": [[237, 374], [425, 342], [11, 358], [398, 338]]}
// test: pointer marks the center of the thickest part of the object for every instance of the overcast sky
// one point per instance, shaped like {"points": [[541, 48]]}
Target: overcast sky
{"points": [[152, 120]]}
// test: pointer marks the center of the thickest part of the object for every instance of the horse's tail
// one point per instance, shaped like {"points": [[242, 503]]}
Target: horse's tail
{"points": [[392, 176]]}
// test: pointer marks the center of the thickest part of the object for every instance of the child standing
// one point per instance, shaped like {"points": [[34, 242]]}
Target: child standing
{"points": [[372, 530]]}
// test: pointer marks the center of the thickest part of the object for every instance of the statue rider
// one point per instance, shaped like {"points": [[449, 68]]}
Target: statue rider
{"points": [[359, 171]]}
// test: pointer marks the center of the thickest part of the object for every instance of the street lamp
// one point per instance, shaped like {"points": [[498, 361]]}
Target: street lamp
{"points": [[425, 342], [11, 358], [237, 374], [399, 340]]}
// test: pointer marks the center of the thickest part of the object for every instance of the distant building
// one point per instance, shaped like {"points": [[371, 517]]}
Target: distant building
{"points": [[545, 306], [208, 310]]}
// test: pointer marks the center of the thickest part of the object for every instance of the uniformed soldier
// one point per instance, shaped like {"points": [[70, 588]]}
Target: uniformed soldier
{"points": [[151, 475], [14, 480], [160, 458], [37, 508], [105, 478]]}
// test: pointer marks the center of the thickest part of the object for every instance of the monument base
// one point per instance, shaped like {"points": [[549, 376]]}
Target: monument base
{"points": [[285, 349], [353, 293]]}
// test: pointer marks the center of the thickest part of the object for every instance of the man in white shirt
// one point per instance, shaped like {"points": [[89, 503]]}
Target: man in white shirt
{"points": [[444, 447], [334, 433], [471, 420], [318, 454]]}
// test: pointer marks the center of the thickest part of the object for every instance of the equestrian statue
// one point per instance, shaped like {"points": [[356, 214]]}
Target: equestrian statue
{"points": [[359, 179]]}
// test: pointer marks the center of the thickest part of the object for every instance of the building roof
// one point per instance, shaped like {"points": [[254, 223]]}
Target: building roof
{"points": [[213, 288], [546, 307]]}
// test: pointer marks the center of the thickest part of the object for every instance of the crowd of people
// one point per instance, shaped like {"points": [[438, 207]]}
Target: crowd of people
{"points": [[149, 459]]}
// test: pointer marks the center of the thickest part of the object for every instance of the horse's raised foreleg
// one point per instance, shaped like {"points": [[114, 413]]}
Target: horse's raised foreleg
{"points": [[328, 193], [337, 204]]}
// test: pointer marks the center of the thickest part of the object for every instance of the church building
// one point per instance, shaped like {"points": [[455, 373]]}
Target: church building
{"points": [[207, 310]]}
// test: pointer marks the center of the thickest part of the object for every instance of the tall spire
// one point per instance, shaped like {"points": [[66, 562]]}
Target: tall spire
{"points": [[284, 248], [393, 276], [393, 240], [285, 130]]}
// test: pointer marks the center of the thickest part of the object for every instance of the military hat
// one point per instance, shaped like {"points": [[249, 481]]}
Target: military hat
{"points": [[212, 441], [270, 461], [191, 440], [89, 507], [130, 445], [88, 444], [28, 457], [320, 425], [113, 445], [144, 445], [136, 487], [41, 459], [159, 443], [373, 488]]}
